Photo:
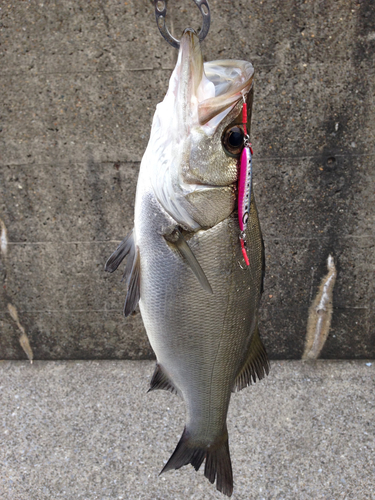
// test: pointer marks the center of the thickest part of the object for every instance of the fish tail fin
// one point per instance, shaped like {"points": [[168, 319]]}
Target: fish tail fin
{"points": [[218, 464]]}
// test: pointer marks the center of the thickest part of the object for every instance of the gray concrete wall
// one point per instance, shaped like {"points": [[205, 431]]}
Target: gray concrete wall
{"points": [[79, 84]]}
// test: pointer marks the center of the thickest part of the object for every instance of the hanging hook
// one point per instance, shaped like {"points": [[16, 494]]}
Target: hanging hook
{"points": [[160, 13]]}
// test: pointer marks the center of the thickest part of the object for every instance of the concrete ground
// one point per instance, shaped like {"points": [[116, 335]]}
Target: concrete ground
{"points": [[88, 430]]}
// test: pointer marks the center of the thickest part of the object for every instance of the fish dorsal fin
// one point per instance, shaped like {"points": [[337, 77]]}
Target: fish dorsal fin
{"points": [[256, 364], [160, 380], [132, 270], [177, 239]]}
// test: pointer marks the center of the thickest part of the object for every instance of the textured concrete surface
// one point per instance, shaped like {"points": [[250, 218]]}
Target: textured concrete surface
{"points": [[79, 84], [88, 430]]}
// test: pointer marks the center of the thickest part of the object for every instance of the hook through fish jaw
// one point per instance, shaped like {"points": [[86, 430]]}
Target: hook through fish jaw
{"points": [[161, 11]]}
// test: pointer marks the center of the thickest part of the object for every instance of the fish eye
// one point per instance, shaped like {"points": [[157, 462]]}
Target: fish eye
{"points": [[235, 137], [232, 141]]}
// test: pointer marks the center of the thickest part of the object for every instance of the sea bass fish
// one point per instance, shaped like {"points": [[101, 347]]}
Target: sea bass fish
{"points": [[198, 299]]}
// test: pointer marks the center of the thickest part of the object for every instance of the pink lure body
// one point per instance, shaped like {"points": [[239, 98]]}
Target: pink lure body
{"points": [[244, 188]]}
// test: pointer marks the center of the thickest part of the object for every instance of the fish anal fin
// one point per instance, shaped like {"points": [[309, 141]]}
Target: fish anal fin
{"points": [[256, 364], [160, 380], [120, 253], [177, 239], [218, 464], [132, 271]]}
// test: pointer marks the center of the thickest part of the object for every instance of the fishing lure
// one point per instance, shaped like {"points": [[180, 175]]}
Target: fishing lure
{"points": [[245, 178]]}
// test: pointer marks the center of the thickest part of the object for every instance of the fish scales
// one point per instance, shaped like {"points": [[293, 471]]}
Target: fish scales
{"points": [[198, 299], [197, 338]]}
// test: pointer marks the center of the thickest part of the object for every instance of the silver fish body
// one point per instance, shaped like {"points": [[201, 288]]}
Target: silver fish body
{"points": [[198, 300]]}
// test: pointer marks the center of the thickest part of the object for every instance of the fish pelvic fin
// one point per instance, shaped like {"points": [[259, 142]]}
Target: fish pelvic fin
{"points": [[256, 364], [177, 239], [218, 464], [160, 380], [127, 248]]}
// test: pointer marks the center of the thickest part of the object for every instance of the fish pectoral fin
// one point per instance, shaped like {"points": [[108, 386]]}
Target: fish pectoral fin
{"points": [[256, 364], [120, 253], [218, 464], [160, 380], [132, 273], [178, 241]]}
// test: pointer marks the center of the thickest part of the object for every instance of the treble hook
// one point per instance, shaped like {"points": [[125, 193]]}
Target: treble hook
{"points": [[161, 10]]}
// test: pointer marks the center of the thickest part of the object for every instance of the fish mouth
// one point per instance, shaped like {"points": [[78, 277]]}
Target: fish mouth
{"points": [[211, 88], [185, 147]]}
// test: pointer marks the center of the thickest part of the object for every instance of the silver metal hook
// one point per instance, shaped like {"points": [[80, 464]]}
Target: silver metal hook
{"points": [[161, 11]]}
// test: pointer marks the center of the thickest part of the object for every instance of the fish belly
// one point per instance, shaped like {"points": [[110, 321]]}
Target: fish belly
{"points": [[200, 340]]}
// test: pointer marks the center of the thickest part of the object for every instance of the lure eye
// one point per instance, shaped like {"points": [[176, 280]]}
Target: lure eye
{"points": [[232, 140]]}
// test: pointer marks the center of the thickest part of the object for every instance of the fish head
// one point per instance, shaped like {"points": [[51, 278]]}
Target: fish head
{"points": [[197, 136]]}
